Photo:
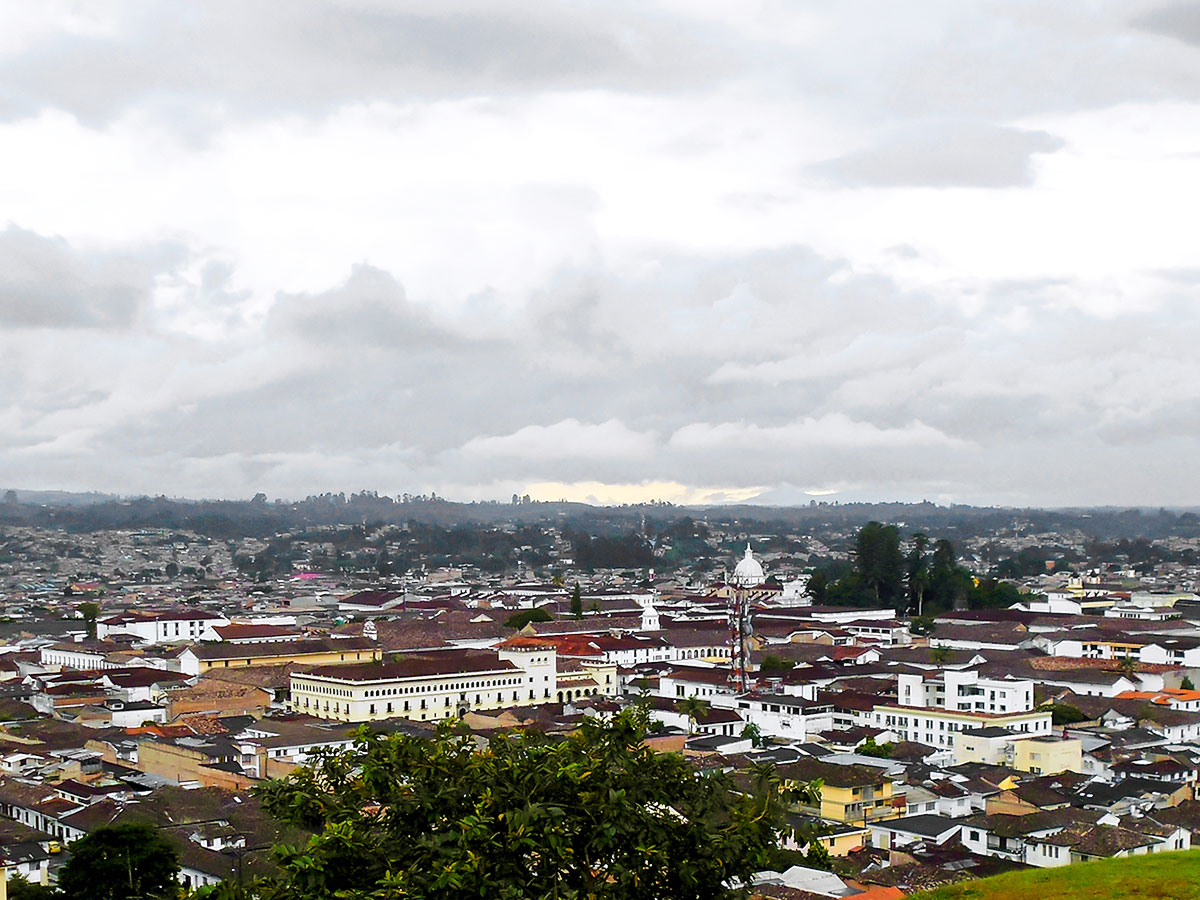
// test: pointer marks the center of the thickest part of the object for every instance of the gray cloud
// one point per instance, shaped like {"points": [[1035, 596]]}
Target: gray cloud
{"points": [[593, 332], [944, 154], [1180, 21], [822, 380], [45, 283], [370, 310], [269, 56]]}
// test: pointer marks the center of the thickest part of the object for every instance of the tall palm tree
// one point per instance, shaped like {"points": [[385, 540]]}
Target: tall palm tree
{"points": [[765, 778], [1129, 666], [918, 583], [694, 708], [766, 783]]}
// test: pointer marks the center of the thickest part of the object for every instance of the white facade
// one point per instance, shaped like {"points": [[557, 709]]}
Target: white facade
{"points": [[160, 629], [711, 685], [1171, 652], [939, 727], [450, 687], [794, 592], [965, 691], [783, 716], [58, 657]]}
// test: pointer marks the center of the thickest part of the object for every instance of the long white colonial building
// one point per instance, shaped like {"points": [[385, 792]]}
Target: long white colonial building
{"points": [[443, 684]]}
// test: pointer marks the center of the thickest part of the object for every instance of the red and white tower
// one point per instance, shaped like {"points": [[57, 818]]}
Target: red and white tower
{"points": [[747, 575]]}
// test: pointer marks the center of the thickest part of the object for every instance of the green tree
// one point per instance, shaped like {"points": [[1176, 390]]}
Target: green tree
{"points": [[90, 612], [922, 625], [817, 856], [879, 562], [577, 602], [1187, 684], [596, 814], [525, 616], [21, 889], [917, 572], [818, 583], [1063, 714], [383, 560], [939, 654], [772, 664], [120, 862], [764, 778], [754, 734], [870, 748], [950, 585], [694, 708]]}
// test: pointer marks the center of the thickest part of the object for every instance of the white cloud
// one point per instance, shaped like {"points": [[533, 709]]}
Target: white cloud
{"points": [[568, 439], [834, 430]]}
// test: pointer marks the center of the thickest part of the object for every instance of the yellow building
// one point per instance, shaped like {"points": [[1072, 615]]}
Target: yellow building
{"points": [[851, 795], [842, 840], [1043, 754], [1047, 755], [839, 839], [201, 658]]}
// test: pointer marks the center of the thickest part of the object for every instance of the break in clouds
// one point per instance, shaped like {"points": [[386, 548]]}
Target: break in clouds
{"points": [[686, 251]]}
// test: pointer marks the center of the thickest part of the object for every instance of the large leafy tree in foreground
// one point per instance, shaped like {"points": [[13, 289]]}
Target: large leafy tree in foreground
{"points": [[592, 815], [120, 862]]}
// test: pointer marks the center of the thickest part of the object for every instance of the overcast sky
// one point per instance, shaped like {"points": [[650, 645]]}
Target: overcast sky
{"points": [[671, 249]]}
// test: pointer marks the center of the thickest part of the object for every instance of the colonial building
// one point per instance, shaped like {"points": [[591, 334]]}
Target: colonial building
{"points": [[438, 685], [225, 655]]}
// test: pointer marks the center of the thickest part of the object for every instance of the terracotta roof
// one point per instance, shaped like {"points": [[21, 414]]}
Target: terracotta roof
{"points": [[377, 598], [238, 631], [833, 775], [439, 662], [226, 650], [1007, 825]]}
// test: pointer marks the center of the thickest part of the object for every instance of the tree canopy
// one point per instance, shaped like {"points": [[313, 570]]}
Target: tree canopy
{"points": [[918, 582], [595, 814], [525, 616], [120, 862]]}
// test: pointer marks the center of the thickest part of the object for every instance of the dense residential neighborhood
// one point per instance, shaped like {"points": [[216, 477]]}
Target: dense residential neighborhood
{"points": [[158, 676]]}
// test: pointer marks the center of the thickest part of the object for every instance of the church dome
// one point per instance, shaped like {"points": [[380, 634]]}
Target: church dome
{"points": [[749, 572]]}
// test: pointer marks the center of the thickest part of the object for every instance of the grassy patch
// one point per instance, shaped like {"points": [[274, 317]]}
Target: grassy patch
{"points": [[1162, 876]]}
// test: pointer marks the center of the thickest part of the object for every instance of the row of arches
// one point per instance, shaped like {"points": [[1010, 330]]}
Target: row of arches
{"points": [[575, 695]]}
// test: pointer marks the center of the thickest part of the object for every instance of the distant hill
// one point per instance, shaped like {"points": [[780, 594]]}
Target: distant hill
{"points": [[1162, 876], [260, 516], [59, 498]]}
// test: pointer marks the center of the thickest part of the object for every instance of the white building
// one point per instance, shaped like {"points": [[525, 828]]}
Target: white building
{"points": [[965, 691], [781, 715], [932, 710], [1174, 651], [439, 685], [160, 628]]}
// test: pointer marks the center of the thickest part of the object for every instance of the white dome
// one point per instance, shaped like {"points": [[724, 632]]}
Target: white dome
{"points": [[749, 572]]}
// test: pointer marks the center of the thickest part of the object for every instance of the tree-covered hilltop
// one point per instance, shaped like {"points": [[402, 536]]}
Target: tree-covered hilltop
{"points": [[923, 580], [262, 517]]}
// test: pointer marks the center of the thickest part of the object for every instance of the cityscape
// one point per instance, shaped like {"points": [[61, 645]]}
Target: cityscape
{"points": [[973, 692]]}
